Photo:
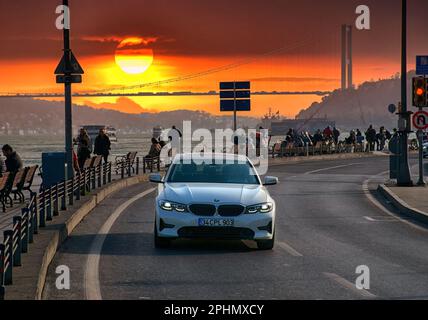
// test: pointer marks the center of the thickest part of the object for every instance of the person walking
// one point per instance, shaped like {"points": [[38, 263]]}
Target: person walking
{"points": [[13, 161], [102, 145]]}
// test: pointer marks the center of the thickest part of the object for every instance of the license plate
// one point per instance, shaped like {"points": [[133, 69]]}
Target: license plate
{"points": [[216, 222]]}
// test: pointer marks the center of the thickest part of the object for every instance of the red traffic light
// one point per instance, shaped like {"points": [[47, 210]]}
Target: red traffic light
{"points": [[420, 97]]}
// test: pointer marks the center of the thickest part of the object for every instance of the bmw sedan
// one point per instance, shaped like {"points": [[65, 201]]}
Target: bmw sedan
{"points": [[217, 198]]}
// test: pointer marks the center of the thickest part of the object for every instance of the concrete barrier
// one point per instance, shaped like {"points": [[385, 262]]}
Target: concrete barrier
{"points": [[67, 228]]}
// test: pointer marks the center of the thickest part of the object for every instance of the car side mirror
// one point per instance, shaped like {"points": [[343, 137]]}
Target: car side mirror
{"points": [[270, 181], [155, 178]]}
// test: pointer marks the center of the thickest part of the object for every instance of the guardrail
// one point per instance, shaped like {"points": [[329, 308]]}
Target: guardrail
{"points": [[47, 204], [290, 150]]}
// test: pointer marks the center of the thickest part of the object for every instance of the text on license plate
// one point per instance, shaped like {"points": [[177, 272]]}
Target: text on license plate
{"points": [[216, 222]]}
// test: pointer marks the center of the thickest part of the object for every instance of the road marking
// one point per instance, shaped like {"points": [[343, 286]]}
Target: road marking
{"points": [[381, 207], [290, 250], [91, 277], [381, 219], [331, 168], [349, 285]]}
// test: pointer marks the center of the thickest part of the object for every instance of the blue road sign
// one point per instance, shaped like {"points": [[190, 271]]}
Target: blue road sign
{"points": [[235, 94], [229, 105], [242, 85], [422, 65]]}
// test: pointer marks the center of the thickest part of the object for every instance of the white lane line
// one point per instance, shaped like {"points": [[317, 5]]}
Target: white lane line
{"points": [[370, 219], [91, 277], [331, 168], [250, 244], [349, 285], [289, 249], [381, 207]]}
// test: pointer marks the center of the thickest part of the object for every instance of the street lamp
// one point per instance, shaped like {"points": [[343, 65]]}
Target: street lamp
{"points": [[404, 176]]}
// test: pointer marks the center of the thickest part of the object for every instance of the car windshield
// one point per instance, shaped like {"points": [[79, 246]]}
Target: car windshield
{"points": [[233, 173]]}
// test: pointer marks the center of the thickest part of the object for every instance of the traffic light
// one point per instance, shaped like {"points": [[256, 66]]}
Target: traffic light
{"points": [[420, 95]]}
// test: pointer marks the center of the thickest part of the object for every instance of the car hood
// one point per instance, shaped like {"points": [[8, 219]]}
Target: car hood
{"points": [[188, 193]]}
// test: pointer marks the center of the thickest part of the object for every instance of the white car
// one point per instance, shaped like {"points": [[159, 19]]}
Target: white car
{"points": [[217, 198], [425, 149]]}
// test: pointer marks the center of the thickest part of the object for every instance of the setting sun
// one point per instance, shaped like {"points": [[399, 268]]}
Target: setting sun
{"points": [[133, 56]]}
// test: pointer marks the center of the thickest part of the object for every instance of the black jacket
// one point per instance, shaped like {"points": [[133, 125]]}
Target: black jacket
{"points": [[102, 145], [13, 163]]}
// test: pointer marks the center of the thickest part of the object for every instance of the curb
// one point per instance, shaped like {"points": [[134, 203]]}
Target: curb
{"points": [[67, 228], [401, 205]]}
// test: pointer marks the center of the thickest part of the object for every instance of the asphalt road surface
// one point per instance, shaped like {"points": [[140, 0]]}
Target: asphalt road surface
{"points": [[329, 222]]}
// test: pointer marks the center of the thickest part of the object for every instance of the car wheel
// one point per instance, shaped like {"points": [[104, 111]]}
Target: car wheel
{"points": [[266, 244], [161, 243]]}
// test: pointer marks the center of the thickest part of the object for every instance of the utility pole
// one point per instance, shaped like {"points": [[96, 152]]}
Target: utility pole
{"points": [[404, 176], [68, 71], [68, 104]]}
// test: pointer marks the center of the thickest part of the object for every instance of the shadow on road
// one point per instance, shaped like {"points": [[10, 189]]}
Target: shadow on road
{"points": [[141, 244]]}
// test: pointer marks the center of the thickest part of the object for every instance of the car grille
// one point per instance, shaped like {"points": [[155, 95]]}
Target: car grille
{"points": [[205, 210], [226, 233], [230, 210]]}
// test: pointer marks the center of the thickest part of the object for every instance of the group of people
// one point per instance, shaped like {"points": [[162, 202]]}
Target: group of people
{"points": [[331, 135], [102, 147], [12, 162], [306, 139], [377, 140]]}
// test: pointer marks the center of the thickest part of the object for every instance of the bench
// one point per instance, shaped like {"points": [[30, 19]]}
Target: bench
{"points": [[151, 162], [5, 185], [125, 162], [29, 178], [18, 184]]}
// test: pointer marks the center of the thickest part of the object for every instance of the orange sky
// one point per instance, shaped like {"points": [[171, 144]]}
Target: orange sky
{"points": [[191, 36]]}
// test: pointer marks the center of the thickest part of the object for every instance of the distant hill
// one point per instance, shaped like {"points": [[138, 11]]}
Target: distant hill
{"points": [[30, 116], [360, 107]]}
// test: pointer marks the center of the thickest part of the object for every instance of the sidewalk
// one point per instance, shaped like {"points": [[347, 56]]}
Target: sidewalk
{"points": [[412, 202], [29, 279]]}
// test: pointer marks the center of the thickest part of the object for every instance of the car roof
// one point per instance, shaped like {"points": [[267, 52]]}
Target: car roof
{"points": [[212, 156]]}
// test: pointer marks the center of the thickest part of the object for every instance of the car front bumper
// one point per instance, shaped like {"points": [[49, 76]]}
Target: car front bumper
{"points": [[186, 225]]}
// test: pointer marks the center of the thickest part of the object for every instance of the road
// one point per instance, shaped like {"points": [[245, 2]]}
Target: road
{"points": [[329, 223]]}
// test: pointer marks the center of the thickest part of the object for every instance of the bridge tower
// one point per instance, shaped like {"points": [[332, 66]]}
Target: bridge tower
{"points": [[347, 61]]}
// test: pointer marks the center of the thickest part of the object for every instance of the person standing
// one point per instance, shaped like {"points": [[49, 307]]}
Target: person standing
{"points": [[336, 135], [102, 145], [83, 149], [371, 138], [13, 161]]}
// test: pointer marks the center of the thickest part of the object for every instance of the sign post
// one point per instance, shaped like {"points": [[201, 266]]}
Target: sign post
{"points": [[234, 97], [68, 71], [420, 122]]}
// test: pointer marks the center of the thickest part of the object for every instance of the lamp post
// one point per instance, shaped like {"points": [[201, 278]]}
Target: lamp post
{"points": [[404, 176]]}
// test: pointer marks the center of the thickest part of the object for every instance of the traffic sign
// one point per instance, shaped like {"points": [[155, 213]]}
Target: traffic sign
{"points": [[422, 65], [392, 108], [229, 105], [241, 85], [76, 78], [69, 65], [420, 120]]}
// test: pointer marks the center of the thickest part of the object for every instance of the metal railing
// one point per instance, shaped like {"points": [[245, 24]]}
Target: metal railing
{"points": [[47, 204], [289, 151]]}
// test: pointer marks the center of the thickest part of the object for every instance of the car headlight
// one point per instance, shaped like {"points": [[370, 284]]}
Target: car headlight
{"points": [[172, 206], [260, 208]]}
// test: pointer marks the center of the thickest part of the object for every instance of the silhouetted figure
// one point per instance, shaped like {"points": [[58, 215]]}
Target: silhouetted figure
{"points": [[13, 161], [102, 145]]}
